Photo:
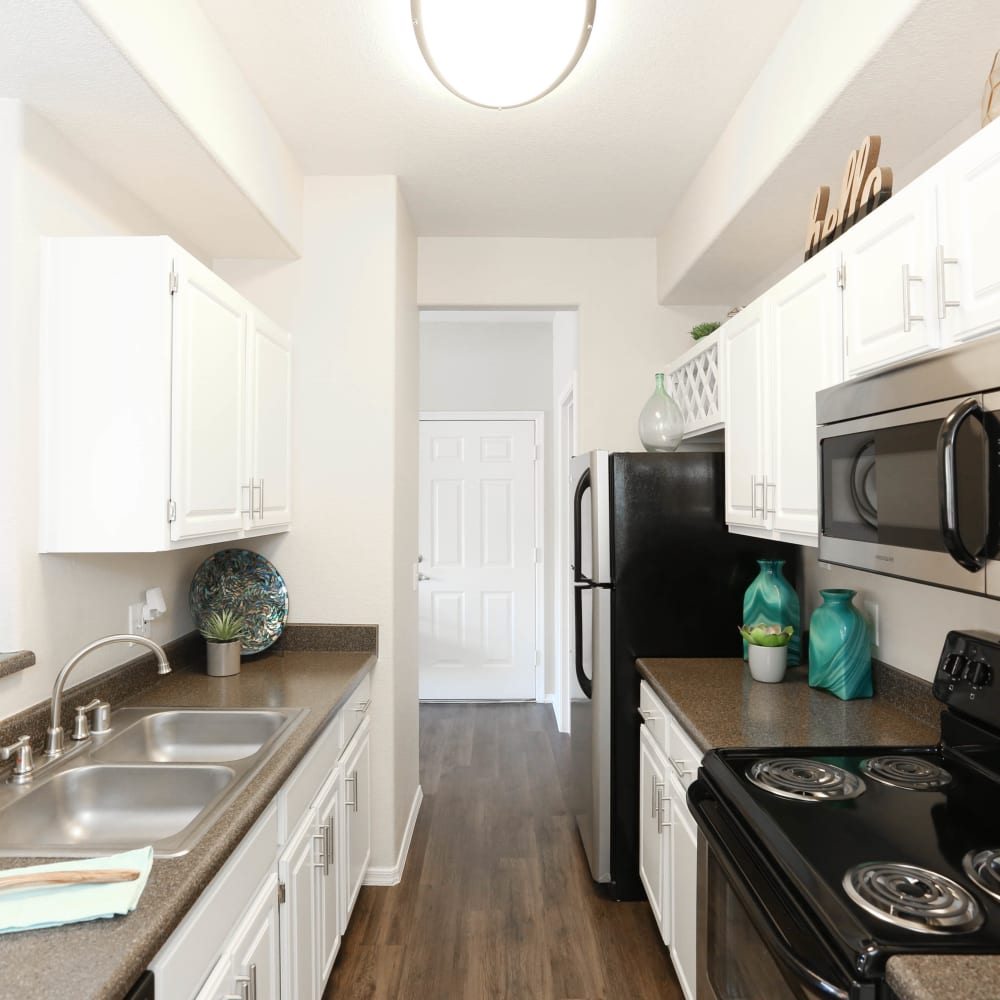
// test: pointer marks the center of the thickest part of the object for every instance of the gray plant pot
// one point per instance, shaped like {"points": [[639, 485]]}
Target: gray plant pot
{"points": [[223, 658], [767, 663]]}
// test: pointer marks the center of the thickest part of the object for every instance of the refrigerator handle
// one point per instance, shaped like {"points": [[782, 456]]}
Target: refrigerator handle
{"points": [[586, 684], [581, 487]]}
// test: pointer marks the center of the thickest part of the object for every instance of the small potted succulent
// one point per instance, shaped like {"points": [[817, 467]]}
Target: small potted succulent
{"points": [[223, 631], [767, 650]]}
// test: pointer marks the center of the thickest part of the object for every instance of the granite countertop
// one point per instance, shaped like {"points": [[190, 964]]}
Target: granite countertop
{"points": [[720, 705], [101, 960]]}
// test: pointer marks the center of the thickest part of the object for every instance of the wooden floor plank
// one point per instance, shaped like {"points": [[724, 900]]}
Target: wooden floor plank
{"points": [[496, 900]]}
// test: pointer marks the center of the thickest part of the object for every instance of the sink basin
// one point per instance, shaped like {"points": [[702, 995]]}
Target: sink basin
{"points": [[109, 807], [187, 735], [162, 776]]}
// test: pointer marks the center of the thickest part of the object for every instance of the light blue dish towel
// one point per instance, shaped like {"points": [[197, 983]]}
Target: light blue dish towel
{"points": [[50, 906]]}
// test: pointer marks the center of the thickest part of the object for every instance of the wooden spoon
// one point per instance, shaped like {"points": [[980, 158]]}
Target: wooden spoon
{"points": [[83, 875]]}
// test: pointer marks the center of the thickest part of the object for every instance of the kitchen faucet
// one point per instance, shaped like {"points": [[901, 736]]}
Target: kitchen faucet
{"points": [[54, 737]]}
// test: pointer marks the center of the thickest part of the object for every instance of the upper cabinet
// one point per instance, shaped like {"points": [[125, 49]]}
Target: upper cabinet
{"points": [[777, 354], [968, 253], [889, 276], [166, 402]]}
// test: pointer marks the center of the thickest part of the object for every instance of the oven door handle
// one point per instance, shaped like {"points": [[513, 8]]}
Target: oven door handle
{"points": [[765, 923], [948, 484]]}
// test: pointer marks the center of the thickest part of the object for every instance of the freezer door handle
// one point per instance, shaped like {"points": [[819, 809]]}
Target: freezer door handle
{"points": [[586, 683], [581, 488]]}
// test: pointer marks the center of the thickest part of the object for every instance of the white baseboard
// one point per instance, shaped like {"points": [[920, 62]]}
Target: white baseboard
{"points": [[394, 874]]}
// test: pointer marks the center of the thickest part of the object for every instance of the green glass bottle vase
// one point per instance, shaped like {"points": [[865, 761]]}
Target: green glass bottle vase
{"points": [[661, 424], [771, 600], [839, 652]]}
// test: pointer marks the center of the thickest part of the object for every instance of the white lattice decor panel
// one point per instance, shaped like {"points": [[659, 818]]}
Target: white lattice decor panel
{"points": [[694, 385]]}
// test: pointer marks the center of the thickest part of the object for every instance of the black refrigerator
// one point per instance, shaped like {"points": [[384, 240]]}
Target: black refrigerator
{"points": [[655, 573]]}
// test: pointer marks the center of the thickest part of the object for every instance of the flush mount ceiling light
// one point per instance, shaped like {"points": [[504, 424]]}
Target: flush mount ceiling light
{"points": [[502, 53]]}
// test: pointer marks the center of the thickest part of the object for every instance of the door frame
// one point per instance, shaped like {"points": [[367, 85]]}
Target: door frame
{"points": [[563, 603], [537, 417]]}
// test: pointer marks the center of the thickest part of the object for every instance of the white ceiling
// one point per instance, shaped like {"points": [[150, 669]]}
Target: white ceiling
{"points": [[606, 154]]}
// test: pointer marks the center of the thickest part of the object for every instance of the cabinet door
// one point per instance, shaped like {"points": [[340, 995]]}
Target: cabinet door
{"points": [[270, 420], [683, 904], [356, 805], [255, 948], [803, 324], [219, 985], [889, 272], [743, 391], [968, 261], [652, 792], [328, 888], [299, 867], [208, 403]]}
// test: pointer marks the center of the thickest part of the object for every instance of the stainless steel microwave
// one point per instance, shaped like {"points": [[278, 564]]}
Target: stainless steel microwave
{"points": [[909, 467]]}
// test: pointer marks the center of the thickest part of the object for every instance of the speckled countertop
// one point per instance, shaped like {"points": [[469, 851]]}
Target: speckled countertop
{"points": [[720, 705], [101, 960]]}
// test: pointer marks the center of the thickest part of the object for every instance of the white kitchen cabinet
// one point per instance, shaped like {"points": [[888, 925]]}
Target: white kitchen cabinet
{"points": [[653, 852], [328, 925], [249, 966], [743, 358], [968, 252], [270, 411], [356, 834], [300, 867], [165, 402], [668, 835], [889, 281], [777, 353]]}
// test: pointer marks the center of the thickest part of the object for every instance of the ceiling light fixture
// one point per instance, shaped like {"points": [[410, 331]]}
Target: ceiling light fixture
{"points": [[502, 53]]}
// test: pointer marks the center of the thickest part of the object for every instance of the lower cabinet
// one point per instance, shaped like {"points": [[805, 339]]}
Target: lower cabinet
{"points": [[289, 888], [249, 966], [357, 827], [668, 836]]}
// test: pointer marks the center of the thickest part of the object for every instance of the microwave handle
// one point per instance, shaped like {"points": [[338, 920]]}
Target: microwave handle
{"points": [[947, 484]]}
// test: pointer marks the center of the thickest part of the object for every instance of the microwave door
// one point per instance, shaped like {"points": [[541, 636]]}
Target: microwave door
{"points": [[991, 404]]}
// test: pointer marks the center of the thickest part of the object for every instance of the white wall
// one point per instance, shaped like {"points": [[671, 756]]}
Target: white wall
{"points": [[350, 302], [625, 335], [489, 364], [54, 604], [178, 52]]}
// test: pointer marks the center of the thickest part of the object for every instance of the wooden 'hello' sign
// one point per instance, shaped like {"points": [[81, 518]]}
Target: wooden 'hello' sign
{"points": [[864, 187]]}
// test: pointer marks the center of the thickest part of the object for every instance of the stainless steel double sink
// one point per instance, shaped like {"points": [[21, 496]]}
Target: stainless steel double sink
{"points": [[161, 777]]}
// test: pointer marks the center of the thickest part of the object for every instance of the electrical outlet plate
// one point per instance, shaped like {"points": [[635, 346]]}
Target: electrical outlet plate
{"points": [[137, 625], [870, 611]]}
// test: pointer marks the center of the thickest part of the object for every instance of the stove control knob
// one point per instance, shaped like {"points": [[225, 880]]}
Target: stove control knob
{"points": [[980, 675], [954, 666]]}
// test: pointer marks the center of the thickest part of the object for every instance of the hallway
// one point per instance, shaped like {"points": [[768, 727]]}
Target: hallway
{"points": [[496, 900]]}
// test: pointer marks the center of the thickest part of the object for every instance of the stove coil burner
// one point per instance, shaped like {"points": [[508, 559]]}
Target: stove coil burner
{"points": [[983, 867], [914, 898], [906, 772], [805, 780]]}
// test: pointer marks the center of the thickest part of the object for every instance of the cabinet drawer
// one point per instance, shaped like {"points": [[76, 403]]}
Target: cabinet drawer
{"points": [[300, 789], [683, 756], [355, 711], [654, 715]]}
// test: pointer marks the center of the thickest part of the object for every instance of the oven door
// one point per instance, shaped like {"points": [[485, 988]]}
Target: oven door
{"points": [[754, 940], [912, 493]]}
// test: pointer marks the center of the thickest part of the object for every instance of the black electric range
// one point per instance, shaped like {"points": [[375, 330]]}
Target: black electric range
{"points": [[819, 864]]}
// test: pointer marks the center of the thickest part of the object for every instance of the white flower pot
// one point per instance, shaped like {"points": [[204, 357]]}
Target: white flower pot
{"points": [[767, 663]]}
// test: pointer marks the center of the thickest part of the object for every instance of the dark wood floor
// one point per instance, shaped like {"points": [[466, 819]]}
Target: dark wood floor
{"points": [[496, 900]]}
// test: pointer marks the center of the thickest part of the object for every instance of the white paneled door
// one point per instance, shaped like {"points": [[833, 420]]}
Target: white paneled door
{"points": [[477, 573]]}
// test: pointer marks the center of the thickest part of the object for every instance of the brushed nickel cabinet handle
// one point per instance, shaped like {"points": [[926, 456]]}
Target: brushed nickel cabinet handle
{"points": [[944, 303]]}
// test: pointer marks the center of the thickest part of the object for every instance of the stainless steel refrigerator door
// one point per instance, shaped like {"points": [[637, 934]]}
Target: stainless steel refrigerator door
{"points": [[590, 726]]}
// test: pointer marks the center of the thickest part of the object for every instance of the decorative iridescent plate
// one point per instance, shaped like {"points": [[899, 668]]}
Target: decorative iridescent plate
{"points": [[245, 582]]}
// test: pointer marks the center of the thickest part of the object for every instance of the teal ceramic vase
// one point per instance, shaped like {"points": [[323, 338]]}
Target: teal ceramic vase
{"points": [[771, 600], [839, 653]]}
